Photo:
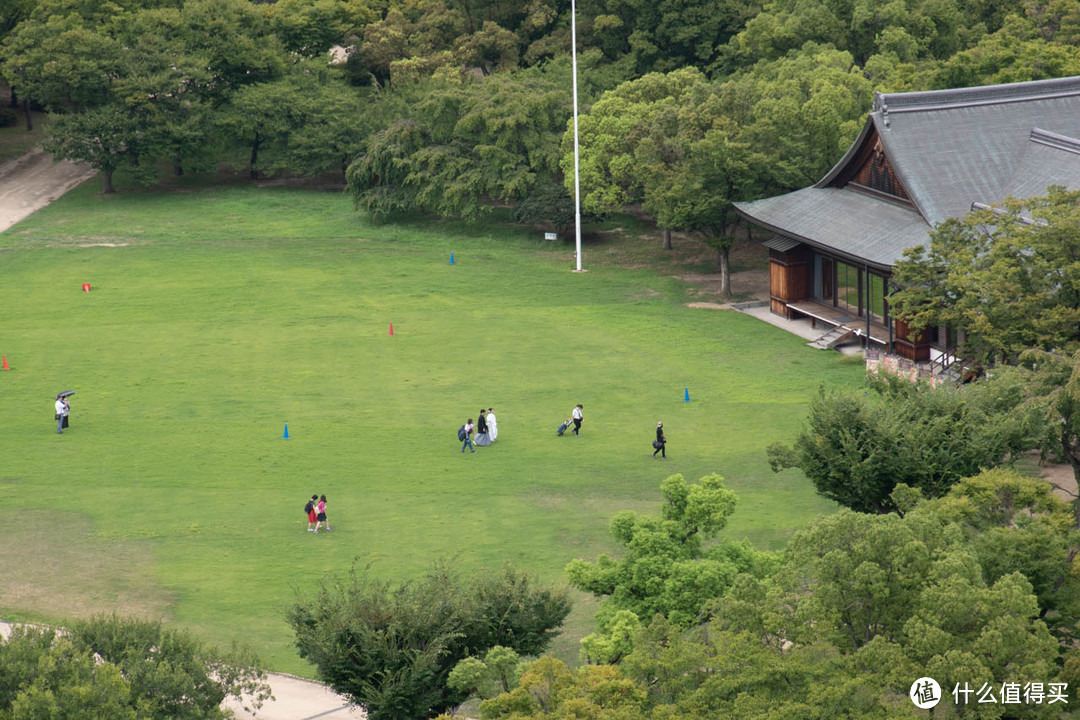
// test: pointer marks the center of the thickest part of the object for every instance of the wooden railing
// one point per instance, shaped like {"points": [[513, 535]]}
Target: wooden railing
{"points": [[945, 362]]}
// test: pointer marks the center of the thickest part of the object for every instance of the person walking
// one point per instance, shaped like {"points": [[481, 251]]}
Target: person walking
{"points": [[492, 424], [62, 410], [468, 437], [483, 434], [577, 417], [320, 516], [661, 442], [312, 515]]}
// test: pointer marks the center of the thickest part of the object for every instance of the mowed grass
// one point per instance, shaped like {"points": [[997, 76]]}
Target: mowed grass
{"points": [[220, 313]]}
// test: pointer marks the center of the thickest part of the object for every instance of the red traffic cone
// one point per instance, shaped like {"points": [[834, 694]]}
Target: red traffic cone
{"points": [[5, 367], [391, 329]]}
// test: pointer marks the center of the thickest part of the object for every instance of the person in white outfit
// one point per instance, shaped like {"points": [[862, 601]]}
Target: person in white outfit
{"points": [[493, 428], [62, 409]]}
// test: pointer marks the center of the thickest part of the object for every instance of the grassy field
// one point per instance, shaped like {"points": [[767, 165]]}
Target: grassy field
{"points": [[220, 313]]}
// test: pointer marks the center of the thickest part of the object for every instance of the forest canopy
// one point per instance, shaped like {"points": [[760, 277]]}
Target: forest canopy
{"points": [[454, 107]]}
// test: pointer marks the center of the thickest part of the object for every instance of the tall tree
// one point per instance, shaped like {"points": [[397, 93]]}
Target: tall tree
{"points": [[262, 117], [856, 448], [104, 138], [465, 143], [110, 667], [1052, 384], [392, 648], [1007, 277], [667, 567], [63, 62]]}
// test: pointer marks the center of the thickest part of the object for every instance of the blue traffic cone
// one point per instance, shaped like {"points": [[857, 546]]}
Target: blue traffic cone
{"points": [[286, 435], [686, 395], [451, 258]]}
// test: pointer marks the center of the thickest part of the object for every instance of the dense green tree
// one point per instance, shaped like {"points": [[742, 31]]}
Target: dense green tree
{"points": [[392, 648], [491, 48], [1007, 277], [857, 607], [635, 147], [1016, 524], [694, 174], [1015, 53], [63, 62], [1052, 383], [234, 37], [667, 567], [332, 132], [104, 138], [935, 30], [798, 114], [611, 131], [900, 597], [856, 447], [311, 27], [423, 31], [171, 674], [263, 116], [662, 36], [470, 142], [500, 670], [109, 667], [167, 89], [549, 689], [45, 676]]}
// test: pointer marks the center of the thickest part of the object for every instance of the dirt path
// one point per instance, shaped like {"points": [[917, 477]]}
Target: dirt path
{"points": [[32, 181], [294, 699]]}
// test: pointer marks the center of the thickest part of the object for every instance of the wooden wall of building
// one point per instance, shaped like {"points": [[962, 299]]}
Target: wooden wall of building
{"points": [[910, 344], [791, 278]]}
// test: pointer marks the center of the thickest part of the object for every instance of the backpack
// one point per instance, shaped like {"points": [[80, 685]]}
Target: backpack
{"points": [[308, 507], [461, 433]]}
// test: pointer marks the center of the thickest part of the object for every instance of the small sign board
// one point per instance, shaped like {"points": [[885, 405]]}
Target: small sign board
{"points": [[551, 236]]}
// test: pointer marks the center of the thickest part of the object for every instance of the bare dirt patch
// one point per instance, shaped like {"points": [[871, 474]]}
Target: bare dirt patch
{"points": [[53, 566], [1062, 478]]}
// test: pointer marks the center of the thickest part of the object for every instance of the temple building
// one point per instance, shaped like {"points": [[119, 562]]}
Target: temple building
{"points": [[921, 158]]}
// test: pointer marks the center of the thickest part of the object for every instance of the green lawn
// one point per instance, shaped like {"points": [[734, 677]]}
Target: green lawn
{"points": [[219, 313]]}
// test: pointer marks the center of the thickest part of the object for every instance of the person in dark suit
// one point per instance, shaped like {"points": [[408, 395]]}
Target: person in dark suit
{"points": [[483, 437], [661, 442]]}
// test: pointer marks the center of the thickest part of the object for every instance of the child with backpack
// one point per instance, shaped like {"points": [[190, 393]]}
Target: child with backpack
{"points": [[312, 516], [465, 433]]}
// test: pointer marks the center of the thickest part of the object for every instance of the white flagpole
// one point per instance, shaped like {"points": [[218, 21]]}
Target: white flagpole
{"points": [[577, 186]]}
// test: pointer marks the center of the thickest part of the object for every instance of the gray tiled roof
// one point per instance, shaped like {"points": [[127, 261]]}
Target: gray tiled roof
{"points": [[1049, 159], [950, 148], [875, 230], [955, 147]]}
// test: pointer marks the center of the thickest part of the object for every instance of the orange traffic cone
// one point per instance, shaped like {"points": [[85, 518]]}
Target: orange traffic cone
{"points": [[5, 367], [391, 329]]}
